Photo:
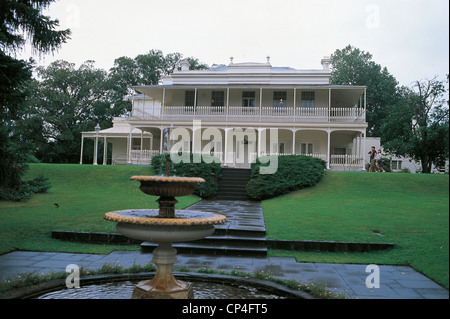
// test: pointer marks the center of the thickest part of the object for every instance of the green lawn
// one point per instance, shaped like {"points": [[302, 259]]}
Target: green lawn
{"points": [[84, 194], [409, 210]]}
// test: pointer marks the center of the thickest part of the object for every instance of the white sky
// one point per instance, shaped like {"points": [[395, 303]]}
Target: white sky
{"points": [[409, 37]]}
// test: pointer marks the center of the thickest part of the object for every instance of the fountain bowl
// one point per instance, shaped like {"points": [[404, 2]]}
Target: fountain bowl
{"points": [[147, 225], [167, 186]]}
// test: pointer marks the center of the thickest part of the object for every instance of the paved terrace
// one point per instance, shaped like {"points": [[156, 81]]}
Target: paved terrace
{"points": [[396, 282]]}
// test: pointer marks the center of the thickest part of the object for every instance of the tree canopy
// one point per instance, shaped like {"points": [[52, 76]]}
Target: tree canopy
{"points": [[21, 21], [67, 100], [418, 125], [352, 66]]}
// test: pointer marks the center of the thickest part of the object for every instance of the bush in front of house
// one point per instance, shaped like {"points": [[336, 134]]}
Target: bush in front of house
{"points": [[294, 172], [210, 172]]}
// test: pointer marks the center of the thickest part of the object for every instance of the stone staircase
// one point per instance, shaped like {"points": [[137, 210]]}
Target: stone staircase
{"points": [[244, 233], [232, 184]]}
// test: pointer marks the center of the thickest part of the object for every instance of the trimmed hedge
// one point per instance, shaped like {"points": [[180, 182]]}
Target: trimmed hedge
{"points": [[210, 172], [294, 172]]}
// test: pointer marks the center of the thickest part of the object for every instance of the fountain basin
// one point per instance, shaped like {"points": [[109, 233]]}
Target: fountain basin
{"points": [[146, 225], [167, 186]]}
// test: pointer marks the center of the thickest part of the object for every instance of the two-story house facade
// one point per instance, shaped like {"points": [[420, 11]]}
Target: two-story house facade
{"points": [[241, 111]]}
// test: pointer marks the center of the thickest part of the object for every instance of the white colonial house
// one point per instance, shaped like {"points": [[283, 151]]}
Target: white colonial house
{"points": [[241, 111]]}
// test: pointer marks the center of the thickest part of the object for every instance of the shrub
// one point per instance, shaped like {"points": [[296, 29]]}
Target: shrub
{"points": [[294, 172], [25, 189], [210, 172]]}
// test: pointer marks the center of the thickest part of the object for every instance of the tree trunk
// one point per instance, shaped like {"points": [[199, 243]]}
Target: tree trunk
{"points": [[426, 165]]}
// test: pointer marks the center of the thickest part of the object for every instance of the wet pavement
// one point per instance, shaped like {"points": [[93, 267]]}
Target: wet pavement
{"points": [[241, 215], [395, 282], [354, 281]]}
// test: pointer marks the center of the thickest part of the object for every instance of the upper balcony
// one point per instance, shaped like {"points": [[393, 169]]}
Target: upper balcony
{"points": [[251, 103]]}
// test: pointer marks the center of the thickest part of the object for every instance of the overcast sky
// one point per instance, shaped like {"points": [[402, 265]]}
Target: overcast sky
{"points": [[409, 37]]}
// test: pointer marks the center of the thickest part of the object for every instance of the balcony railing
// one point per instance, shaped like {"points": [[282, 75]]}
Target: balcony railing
{"points": [[263, 114], [337, 162]]}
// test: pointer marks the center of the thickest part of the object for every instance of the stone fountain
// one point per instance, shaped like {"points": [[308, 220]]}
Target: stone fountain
{"points": [[165, 226]]}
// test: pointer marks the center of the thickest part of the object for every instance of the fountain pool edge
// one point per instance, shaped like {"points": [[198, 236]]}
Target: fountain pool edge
{"points": [[58, 284]]}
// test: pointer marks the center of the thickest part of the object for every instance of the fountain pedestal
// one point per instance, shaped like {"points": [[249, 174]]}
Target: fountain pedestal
{"points": [[165, 226], [163, 285]]}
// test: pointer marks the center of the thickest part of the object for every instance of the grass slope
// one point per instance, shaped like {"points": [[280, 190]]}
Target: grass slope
{"points": [[409, 210], [84, 194]]}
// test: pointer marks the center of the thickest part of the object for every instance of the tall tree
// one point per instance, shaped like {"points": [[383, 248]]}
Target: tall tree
{"points": [[20, 21], [418, 125], [68, 101], [351, 66], [144, 69]]}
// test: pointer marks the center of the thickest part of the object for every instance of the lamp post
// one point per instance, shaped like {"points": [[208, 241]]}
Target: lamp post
{"points": [[97, 129]]}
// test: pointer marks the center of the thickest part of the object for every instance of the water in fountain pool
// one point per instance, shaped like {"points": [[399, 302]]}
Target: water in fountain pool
{"points": [[124, 290]]}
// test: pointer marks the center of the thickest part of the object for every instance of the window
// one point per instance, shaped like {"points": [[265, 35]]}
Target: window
{"points": [[189, 97], [279, 98], [340, 151], [306, 148], [308, 99], [218, 98], [396, 165], [248, 99]]}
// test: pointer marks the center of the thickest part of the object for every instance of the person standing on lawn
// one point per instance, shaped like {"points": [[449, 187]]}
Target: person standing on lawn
{"points": [[373, 166], [379, 162]]}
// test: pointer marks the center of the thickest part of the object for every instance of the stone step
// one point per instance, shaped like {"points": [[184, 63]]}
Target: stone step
{"points": [[220, 250], [223, 242], [217, 245], [232, 185]]}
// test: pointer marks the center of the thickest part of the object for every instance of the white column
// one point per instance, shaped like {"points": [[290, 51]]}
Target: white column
{"points": [[259, 141], [105, 151], [328, 148], [329, 104], [225, 161], [360, 153], [228, 103], [163, 106], [365, 108], [293, 142], [95, 150], [260, 102], [295, 102], [161, 141], [130, 144], [196, 137], [195, 99], [364, 150], [82, 144]]}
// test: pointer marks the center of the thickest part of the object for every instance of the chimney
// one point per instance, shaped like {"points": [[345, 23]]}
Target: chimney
{"points": [[184, 65], [326, 61]]}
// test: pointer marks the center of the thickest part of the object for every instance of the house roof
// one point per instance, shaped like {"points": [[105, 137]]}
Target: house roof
{"points": [[119, 129]]}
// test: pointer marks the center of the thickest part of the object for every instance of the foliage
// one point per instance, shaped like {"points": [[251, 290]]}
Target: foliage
{"points": [[67, 101], [40, 184], [418, 125], [351, 66], [210, 172], [294, 172], [144, 69], [20, 21]]}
